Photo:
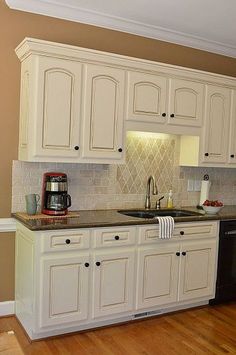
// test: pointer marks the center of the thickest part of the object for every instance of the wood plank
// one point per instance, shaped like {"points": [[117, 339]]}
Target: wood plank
{"points": [[206, 330]]}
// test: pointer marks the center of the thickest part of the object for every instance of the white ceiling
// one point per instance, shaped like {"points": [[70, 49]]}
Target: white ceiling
{"points": [[205, 24]]}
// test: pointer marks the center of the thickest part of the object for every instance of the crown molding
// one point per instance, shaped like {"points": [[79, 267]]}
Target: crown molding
{"points": [[77, 14]]}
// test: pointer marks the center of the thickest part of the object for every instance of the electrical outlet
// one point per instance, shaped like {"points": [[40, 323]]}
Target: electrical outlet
{"points": [[197, 185], [190, 186]]}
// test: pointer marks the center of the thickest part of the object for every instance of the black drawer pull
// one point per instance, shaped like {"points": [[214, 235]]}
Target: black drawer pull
{"points": [[181, 232], [67, 241], [178, 253], [117, 237], [98, 263], [86, 264], [76, 147], [232, 156], [120, 150], [206, 154], [183, 253], [172, 115], [164, 114]]}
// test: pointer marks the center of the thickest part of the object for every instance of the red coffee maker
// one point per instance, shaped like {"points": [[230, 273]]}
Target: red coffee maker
{"points": [[55, 199]]}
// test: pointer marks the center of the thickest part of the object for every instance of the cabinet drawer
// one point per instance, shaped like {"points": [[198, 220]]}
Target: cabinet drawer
{"points": [[61, 241], [196, 230], [109, 237], [150, 234]]}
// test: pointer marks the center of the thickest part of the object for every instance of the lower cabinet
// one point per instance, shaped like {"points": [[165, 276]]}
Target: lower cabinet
{"points": [[64, 290], [197, 271], [174, 273], [157, 276], [113, 283], [110, 275]]}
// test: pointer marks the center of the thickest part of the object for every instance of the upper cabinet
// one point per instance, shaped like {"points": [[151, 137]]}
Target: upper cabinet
{"points": [[146, 97], [50, 109], [216, 132], [77, 104], [216, 146], [186, 103], [103, 106], [71, 111], [157, 99]]}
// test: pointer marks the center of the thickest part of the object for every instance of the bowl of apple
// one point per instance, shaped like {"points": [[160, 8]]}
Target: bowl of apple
{"points": [[212, 207]]}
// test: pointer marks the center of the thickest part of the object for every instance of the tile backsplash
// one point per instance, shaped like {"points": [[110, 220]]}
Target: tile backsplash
{"points": [[96, 186]]}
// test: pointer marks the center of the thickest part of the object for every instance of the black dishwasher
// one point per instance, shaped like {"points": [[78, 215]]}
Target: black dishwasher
{"points": [[226, 273]]}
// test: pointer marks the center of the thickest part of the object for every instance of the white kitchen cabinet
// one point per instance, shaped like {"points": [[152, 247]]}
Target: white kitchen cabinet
{"points": [[113, 283], [99, 279], [232, 137], [158, 99], [103, 110], [74, 100], [157, 275], [147, 97], [187, 264], [216, 145], [50, 109], [197, 270], [217, 119], [64, 290], [186, 102]]}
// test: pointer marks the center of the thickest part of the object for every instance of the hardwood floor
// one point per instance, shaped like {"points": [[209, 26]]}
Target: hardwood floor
{"points": [[208, 330]]}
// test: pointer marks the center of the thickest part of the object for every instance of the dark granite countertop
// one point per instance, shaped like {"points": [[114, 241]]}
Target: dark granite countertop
{"points": [[108, 218]]}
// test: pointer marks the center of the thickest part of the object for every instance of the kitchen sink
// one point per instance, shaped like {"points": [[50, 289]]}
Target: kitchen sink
{"points": [[158, 213]]}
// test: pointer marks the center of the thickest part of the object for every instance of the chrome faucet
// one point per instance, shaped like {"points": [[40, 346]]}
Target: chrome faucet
{"points": [[154, 191]]}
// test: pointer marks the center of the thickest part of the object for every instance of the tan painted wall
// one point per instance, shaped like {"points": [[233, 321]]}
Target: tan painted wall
{"points": [[16, 25]]}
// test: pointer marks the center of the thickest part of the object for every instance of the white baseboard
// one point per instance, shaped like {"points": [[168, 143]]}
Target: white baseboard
{"points": [[7, 308]]}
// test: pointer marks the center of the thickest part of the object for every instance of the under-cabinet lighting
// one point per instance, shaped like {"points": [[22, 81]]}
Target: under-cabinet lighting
{"points": [[149, 135]]}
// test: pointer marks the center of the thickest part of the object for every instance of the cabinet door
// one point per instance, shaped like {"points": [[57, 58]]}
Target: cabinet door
{"points": [[113, 283], [186, 103], [64, 286], [157, 276], [57, 108], [197, 270], [103, 120], [146, 97], [232, 137], [215, 144]]}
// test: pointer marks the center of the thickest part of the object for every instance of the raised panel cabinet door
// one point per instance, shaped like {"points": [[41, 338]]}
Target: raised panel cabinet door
{"points": [[232, 137], [216, 135], [64, 287], [113, 283], [103, 112], [157, 276], [57, 105], [197, 270], [186, 103], [146, 100]]}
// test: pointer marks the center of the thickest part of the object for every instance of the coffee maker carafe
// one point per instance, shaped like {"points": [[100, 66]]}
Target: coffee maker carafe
{"points": [[55, 199]]}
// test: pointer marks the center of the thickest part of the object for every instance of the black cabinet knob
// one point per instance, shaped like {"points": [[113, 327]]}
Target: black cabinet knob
{"points": [[183, 253], [98, 263], [164, 114], [232, 156], [206, 154], [181, 232], [117, 237], [120, 150], [76, 147], [67, 241], [172, 115], [178, 253], [86, 264]]}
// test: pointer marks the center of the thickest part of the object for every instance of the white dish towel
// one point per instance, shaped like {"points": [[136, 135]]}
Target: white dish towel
{"points": [[166, 227]]}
